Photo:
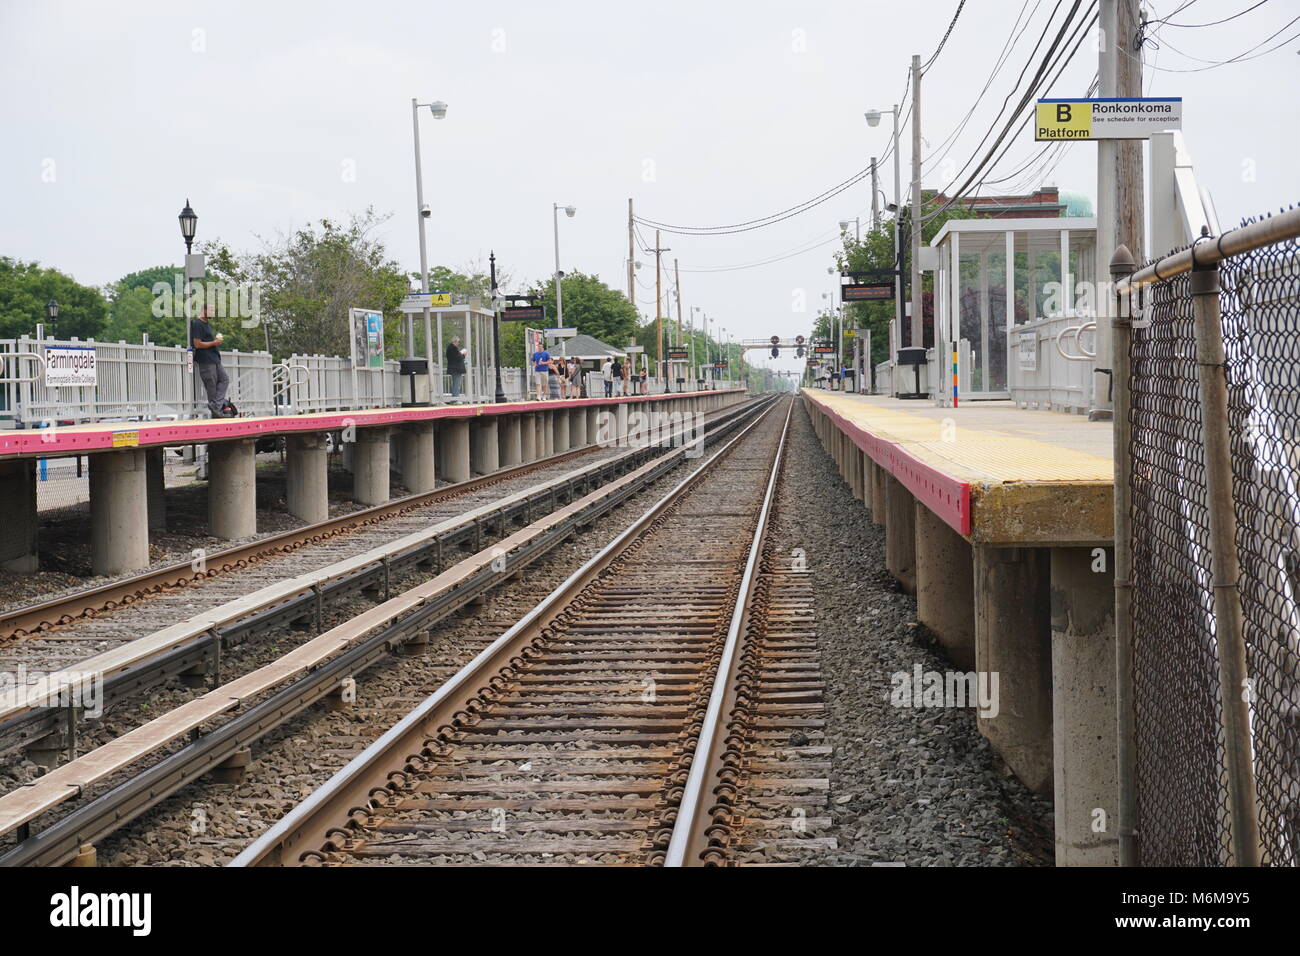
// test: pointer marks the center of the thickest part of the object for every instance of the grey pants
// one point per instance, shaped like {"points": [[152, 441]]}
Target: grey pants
{"points": [[215, 383], [457, 380]]}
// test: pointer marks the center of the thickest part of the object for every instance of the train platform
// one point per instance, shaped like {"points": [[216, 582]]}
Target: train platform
{"points": [[995, 473], [65, 440], [999, 520]]}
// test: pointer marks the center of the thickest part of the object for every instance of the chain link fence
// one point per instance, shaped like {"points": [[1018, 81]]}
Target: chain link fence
{"points": [[1182, 773]]}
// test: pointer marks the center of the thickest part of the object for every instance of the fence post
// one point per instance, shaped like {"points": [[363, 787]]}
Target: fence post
{"points": [[1234, 696], [1122, 266]]}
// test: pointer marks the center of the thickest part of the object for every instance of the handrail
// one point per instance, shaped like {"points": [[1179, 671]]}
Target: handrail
{"points": [[1075, 331], [35, 356]]}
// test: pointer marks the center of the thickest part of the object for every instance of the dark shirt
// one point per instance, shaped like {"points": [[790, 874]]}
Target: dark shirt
{"points": [[201, 330], [455, 361]]}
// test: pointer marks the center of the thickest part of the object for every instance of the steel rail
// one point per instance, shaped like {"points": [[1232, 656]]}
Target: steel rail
{"points": [[689, 837], [20, 730], [365, 778], [113, 809]]}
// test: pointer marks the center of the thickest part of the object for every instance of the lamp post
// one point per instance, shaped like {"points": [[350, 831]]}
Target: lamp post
{"points": [[500, 395], [52, 313], [873, 120], [189, 225], [422, 212], [569, 211]]}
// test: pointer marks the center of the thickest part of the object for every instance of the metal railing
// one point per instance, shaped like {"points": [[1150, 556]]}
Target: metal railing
{"points": [[1207, 553]]}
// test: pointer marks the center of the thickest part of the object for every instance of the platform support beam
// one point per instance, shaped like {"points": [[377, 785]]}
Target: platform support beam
{"points": [[1013, 640], [1083, 706], [232, 489], [528, 430], [510, 447], [18, 492], [560, 430], [371, 481], [453, 449], [119, 512], [415, 456], [945, 601], [900, 533], [307, 477], [484, 450]]}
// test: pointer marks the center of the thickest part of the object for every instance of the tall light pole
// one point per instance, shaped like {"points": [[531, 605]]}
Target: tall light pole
{"points": [[422, 212], [569, 211], [694, 367], [873, 120]]}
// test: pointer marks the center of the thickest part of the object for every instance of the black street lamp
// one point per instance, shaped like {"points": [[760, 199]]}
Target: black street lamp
{"points": [[496, 328], [189, 223], [52, 313]]}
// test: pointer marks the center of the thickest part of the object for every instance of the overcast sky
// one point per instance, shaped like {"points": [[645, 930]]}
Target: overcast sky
{"points": [[268, 116]]}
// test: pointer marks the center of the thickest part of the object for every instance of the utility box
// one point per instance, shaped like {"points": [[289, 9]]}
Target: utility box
{"points": [[415, 387]]}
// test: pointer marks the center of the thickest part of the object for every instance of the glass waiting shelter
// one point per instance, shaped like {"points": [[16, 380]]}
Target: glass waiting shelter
{"points": [[1006, 344]]}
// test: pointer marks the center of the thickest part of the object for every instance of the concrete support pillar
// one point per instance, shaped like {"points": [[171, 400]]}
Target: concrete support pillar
{"points": [[119, 512], [900, 533], [484, 450], [1083, 706], [1013, 640], [510, 444], [528, 430], [156, 481], [307, 477], [370, 464], [18, 492], [878, 480], [560, 430], [415, 456], [545, 435], [232, 489], [453, 449], [620, 416], [578, 428], [945, 600], [596, 434]]}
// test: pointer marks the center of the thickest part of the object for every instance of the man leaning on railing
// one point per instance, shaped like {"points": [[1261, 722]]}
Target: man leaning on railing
{"points": [[207, 358]]}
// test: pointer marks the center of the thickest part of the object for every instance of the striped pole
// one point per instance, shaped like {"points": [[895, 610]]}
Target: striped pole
{"points": [[954, 374]]}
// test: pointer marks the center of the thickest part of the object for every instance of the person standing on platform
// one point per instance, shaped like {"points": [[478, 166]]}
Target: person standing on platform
{"points": [[207, 359], [541, 371], [554, 380], [618, 373], [456, 366], [607, 376]]}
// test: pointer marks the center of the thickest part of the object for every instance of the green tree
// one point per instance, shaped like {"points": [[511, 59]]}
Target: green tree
{"points": [[306, 283], [132, 307], [591, 307], [26, 287]]}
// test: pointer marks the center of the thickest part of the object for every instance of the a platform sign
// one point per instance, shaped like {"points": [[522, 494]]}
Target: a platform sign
{"points": [[1027, 351], [634, 349], [720, 365], [419, 301], [867, 292], [70, 366], [824, 349], [1108, 118], [367, 327], [523, 313], [678, 355], [568, 332]]}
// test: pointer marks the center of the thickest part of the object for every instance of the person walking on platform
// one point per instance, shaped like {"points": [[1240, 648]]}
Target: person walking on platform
{"points": [[541, 371], [619, 375], [607, 376], [456, 366], [207, 359]]}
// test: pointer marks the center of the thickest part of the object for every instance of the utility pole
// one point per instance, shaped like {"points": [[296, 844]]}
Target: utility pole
{"points": [[631, 257], [875, 197], [677, 284], [917, 333], [1119, 179], [659, 312]]}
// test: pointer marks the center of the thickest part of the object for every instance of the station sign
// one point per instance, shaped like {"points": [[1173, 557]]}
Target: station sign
{"points": [[524, 313], [567, 332], [678, 355], [824, 349], [719, 365], [69, 366], [1107, 118], [419, 301], [867, 292]]}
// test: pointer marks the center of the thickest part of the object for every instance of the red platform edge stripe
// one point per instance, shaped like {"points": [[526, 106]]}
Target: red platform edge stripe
{"points": [[56, 442], [944, 495]]}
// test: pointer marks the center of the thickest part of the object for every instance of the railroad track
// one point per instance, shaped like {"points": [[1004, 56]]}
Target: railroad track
{"points": [[660, 707], [224, 609], [226, 720]]}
